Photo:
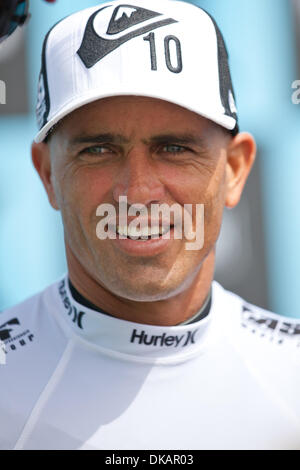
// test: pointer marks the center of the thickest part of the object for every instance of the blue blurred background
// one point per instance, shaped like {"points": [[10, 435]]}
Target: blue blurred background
{"points": [[258, 253]]}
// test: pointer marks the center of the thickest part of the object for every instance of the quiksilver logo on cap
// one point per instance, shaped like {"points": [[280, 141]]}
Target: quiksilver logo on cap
{"points": [[110, 27]]}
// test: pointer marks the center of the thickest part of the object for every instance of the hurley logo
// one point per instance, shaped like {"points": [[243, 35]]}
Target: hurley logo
{"points": [[163, 340], [104, 30], [72, 311]]}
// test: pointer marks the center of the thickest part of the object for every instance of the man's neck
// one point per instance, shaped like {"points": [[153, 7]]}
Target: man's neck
{"points": [[200, 315], [174, 310]]}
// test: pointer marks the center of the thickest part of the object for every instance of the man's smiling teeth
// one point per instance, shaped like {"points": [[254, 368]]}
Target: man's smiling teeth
{"points": [[143, 232]]}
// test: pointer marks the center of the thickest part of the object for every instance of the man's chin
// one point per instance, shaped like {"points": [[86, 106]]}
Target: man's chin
{"points": [[143, 292]]}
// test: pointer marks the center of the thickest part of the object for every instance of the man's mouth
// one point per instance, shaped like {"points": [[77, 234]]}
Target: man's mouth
{"points": [[143, 233]]}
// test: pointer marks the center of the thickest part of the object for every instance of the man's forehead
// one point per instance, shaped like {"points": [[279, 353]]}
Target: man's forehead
{"points": [[130, 101], [125, 115]]}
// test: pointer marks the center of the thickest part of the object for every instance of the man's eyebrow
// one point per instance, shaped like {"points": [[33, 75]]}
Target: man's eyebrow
{"points": [[99, 139], [184, 139]]}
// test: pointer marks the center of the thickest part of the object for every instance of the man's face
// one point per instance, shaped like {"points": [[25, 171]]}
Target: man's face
{"points": [[153, 152]]}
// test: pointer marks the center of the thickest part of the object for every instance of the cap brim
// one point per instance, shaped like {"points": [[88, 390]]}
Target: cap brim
{"points": [[225, 121]]}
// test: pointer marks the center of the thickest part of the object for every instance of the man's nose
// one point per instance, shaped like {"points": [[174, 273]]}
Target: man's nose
{"points": [[138, 179]]}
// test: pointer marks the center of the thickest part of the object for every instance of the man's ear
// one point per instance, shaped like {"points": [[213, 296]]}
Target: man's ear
{"points": [[42, 163], [241, 154]]}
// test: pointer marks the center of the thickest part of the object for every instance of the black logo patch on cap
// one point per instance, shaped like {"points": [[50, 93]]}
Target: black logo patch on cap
{"points": [[126, 16], [94, 46]]}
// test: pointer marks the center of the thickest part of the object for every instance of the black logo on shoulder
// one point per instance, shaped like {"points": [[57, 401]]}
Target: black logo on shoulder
{"points": [[5, 330], [98, 39], [271, 327], [12, 337]]}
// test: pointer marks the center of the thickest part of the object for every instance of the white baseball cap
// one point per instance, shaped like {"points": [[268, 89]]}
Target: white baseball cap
{"points": [[165, 49]]}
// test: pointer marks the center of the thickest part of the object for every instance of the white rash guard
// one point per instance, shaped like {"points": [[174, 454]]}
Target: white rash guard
{"points": [[78, 379]]}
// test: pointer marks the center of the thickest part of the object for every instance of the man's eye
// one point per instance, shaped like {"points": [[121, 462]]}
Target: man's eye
{"points": [[174, 149], [95, 150]]}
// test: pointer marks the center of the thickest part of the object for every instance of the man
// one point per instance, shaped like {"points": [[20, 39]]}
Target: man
{"points": [[137, 347]]}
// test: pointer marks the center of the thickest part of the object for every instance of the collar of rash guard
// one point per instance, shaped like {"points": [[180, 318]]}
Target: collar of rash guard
{"points": [[137, 341], [202, 313]]}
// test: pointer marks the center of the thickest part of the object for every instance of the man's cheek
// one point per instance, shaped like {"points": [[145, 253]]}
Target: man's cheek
{"points": [[213, 211], [55, 194]]}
